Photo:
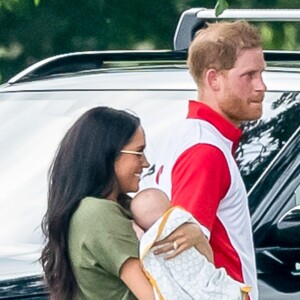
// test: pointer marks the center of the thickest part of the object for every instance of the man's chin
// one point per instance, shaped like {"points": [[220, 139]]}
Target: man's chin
{"points": [[254, 117]]}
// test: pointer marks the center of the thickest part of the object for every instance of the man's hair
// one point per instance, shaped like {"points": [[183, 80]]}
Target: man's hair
{"points": [[219, 45]]}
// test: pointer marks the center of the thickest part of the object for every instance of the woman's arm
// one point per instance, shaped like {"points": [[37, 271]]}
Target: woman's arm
{"points": [[133, 276], [185, 236]]}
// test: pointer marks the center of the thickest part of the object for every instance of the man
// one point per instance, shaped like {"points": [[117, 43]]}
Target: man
{"points": [[197, 168]]}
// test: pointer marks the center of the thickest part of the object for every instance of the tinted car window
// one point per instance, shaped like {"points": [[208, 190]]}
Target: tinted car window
{"points": [[264, 138], [32, 124]]}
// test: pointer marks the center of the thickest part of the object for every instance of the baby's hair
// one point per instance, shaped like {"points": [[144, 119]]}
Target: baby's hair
{"points": [[148, 206]]}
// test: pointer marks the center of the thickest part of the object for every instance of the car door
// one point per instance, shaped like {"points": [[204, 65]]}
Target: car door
{"points": [[276, 225]]}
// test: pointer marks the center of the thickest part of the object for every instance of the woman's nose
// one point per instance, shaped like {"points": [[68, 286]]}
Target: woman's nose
{"points": [[145, 162]]}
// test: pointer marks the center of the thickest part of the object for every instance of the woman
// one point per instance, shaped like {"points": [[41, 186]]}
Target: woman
{"points": [[92, 250]]}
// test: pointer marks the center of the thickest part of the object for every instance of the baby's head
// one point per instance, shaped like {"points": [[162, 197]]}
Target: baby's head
{"points": [[148, 206]]}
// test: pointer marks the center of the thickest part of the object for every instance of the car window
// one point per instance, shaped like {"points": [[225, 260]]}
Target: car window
{"points": [[264, 138], [295, 199], [296, 196], [32, 125]]}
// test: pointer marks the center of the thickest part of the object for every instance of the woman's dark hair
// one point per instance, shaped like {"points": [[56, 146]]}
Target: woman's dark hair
{"points": [[83, 166]]}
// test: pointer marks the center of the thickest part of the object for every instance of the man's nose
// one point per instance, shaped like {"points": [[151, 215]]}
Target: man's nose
{"points": [[260, 85]]}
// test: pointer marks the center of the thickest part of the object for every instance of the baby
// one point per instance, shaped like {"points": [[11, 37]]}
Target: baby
{"points": [[188, 276]]}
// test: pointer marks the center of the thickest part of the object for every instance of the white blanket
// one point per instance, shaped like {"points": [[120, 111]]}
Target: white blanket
{"points": [[188, 276]]}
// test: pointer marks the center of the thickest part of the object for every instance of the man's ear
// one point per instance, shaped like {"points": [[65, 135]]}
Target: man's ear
{"points": [[213, 78]]}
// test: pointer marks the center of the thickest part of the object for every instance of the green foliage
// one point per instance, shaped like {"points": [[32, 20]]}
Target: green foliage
{"points": [[33, 29], [221, 5], [15, 5], [10, 5]]}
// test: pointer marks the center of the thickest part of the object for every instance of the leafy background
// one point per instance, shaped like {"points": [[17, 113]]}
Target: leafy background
{"points": [[36, 29]]}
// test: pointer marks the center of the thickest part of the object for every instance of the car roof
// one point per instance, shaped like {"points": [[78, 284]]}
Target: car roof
{"points": [[137, 70], [175, 77], [121, 79]]}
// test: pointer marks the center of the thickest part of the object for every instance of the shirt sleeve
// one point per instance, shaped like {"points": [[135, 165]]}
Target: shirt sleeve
{"points": [[108, 238], [200, 179]]}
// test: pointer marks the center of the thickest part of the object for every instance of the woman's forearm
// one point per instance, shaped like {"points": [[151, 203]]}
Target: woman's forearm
{"points": [[133, 276]]}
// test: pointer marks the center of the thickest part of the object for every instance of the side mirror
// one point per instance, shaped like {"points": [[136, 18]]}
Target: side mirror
{"points": [[288, 228]]}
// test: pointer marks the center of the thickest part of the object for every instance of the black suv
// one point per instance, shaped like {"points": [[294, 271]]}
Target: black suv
{"points": [[39, 104]]}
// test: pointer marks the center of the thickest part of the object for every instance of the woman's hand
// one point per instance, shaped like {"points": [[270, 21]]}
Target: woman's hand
{"points": [[184, 237]]}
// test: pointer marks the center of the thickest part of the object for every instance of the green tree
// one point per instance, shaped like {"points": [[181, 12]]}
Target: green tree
{"points": [[37, 29], [221, 5]]}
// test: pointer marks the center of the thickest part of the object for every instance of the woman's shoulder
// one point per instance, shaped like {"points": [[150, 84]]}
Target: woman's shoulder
{"points": [[97, 202], [100, 217], [92, 206]]}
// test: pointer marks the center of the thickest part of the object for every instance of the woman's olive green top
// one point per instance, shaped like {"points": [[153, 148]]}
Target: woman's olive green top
{"points": [[101, 239]]}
